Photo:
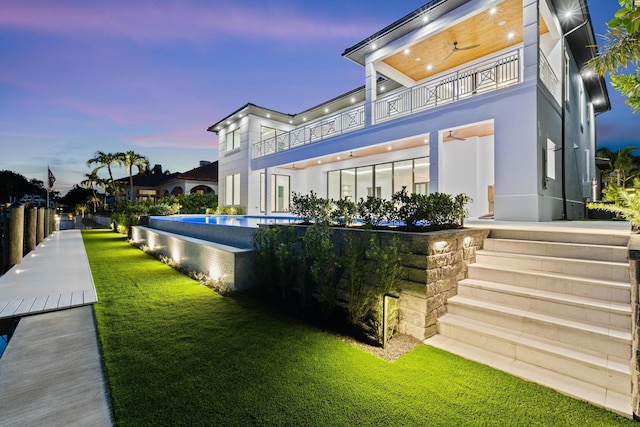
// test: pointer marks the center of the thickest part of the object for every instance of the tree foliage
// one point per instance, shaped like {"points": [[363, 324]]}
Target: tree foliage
{"points": [[622, 50], [14, 185]]}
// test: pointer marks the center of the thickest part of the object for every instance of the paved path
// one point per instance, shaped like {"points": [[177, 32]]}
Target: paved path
{"points": [[51, 372]]}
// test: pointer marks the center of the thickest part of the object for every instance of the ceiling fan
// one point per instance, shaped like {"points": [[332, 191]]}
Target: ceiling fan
{"points": [[453, 136], [454, 48]]}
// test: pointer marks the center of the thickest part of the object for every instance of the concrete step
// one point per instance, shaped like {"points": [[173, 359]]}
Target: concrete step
{"points": [[617, 402], [588, 310], [606, 270], [610, 340], [558, 249], [592, 367], [590, 237], [608, 290]]}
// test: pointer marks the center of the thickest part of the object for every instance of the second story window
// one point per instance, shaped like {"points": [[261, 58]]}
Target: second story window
{"points": [[232, 140]]}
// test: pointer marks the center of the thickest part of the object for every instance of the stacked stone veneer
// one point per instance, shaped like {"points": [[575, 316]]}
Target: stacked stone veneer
{"points": [[231, 266], [634, 268], [433, 265]]}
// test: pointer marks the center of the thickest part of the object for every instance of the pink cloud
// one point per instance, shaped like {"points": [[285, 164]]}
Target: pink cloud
{"points": [[186, 138], [151, 21]]}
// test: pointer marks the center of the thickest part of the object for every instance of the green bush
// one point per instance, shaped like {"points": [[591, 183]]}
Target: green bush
{"points": [[226, 210], [374, 210], [197, 203], [357, 274], [344, 212], [321, 260], [626, 203], [310, 207], [275, 258]]}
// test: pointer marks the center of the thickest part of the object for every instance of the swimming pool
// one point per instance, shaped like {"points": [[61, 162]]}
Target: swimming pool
{"points": [[230, 220]]}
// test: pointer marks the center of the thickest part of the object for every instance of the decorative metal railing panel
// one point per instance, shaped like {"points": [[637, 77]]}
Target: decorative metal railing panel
{"points": [[549, 78], [486, 76], [328, 127]]}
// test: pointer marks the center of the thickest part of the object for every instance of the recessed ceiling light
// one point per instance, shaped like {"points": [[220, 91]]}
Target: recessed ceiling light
{"points": [[426, 141], [353, 100], [228, 122], [319, 161], [290, 121], [304, 119], [493, 10], [326, 110], [429, 67], [389, 148], [268, 115], [425, 18], [373, 46], [381, 88], [407, 51], [501, 23], [511, 35]]}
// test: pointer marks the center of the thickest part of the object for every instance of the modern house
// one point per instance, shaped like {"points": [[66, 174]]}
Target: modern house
{"points": [[483, 97]]}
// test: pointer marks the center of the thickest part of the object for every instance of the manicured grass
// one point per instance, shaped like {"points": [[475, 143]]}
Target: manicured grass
{"points": [[177, 353]]}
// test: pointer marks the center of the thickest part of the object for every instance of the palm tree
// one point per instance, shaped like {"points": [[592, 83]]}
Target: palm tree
{"points": [[131, 159], [105, 160], [91, 180], [623, 165], [622, 48]]}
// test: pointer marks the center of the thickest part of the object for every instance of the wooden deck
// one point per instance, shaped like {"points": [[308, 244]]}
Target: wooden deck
{"points": [[54, 276]]}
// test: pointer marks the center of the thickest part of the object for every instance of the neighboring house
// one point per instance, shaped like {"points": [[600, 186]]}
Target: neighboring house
{"points": [[481, 97], [202, 180]]}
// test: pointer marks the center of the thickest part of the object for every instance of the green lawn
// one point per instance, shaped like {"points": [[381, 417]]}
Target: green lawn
{"points": [[176, 353]]}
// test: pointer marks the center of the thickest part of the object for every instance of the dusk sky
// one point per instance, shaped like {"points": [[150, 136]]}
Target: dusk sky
{"points": [[151, 76]]}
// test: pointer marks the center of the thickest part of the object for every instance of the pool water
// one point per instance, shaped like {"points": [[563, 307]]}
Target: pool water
{"points": [[232, 220]]}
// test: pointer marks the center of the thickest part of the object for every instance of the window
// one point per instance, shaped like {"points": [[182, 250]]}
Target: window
{"points": [[379, 180], [280, 191], [403, 176], [232, 140], [263, 202], [551, 159], [232, 190]]}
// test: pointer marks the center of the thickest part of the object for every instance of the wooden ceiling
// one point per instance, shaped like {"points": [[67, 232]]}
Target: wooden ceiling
{"points": [[491, 32]]}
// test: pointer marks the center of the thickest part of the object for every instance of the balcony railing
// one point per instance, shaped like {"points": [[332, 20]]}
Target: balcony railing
{"points": [[549, 78], [330, 126], [485, 76]]}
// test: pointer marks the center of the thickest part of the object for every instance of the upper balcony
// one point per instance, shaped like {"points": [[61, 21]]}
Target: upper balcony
{"points": [[485, 76]]}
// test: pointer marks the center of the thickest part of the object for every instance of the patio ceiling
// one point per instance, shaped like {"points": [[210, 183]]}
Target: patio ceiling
{"points": [[492, 30]]}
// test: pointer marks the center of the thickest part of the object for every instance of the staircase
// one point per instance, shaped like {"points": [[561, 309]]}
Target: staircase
{"points": [[549, 306]]}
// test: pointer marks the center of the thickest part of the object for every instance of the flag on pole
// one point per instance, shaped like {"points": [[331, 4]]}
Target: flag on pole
{"points": [[52, 178]]}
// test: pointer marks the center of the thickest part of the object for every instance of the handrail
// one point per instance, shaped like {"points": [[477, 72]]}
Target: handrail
{"points": [[485, 76], [488, 75]]}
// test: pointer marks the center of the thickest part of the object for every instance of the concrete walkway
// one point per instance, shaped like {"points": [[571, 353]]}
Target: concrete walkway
{"points": [[51, 372]]}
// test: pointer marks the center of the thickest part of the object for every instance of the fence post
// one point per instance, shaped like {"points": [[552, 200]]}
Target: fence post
{"points": [[16, 233], [31, 218], [5, 240], [40, 230]]}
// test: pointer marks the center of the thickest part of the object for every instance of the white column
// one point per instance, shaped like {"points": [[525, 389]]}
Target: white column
{"points": [[370, 92], [267, 202], [434, 162]]}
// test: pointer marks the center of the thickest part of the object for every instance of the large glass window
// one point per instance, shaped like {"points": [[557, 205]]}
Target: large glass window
{"points": [[263, 202], [384, 180], [232, 140], [364, 182], [348, 184], [379, 180], [280, 191], [232, 190], [421, 176], [403, 176], [334, 185]]}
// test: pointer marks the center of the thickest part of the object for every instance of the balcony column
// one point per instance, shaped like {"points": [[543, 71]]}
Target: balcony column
{"points": [[434, 159], [370, 93], [265, 189]]}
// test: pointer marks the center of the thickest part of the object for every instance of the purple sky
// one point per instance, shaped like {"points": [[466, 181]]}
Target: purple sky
{"points": [[151, 76]]}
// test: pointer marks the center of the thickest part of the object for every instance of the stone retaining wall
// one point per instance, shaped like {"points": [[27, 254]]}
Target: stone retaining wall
{"points": [[634, 269]]}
